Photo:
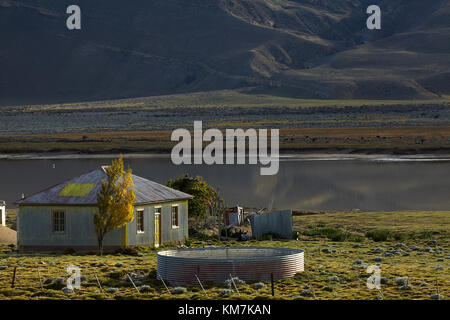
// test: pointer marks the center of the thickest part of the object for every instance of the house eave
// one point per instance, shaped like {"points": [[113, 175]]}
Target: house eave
{"points": [[95, 204]]}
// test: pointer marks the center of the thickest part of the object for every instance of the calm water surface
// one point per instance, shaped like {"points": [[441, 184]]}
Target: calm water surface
{"points": [[300, 184]]}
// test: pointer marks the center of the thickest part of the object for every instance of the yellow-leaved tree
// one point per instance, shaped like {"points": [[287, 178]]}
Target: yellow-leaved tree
{"points": [[115, 201]]}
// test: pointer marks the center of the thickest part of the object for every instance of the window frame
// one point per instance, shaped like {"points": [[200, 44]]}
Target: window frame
{"points": [[60, 221], [138, 212], [175, 226]]}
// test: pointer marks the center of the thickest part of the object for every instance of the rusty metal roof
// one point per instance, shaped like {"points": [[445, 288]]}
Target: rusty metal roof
{"points": [[146, 191]]}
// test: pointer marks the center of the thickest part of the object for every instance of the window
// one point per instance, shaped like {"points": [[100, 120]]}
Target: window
{"points": [[174, 216], [140, 221], [59, 221]]}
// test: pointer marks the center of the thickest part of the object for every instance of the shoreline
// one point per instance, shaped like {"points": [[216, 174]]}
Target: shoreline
{"points": [[291, 155]]}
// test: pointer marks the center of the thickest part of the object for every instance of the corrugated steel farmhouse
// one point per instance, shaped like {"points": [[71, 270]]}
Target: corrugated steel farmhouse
{"points": [[61, 216]]}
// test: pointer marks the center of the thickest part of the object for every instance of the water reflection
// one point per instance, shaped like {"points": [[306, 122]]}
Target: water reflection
{"points": [[306, 184]]}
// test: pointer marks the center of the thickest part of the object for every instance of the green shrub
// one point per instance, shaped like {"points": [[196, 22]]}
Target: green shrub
{"points": [[333, 234], [400, 236], [424, 235], [378, 235]]}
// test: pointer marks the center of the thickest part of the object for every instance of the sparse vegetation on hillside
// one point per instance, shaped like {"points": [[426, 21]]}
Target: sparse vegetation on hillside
{"points": [[309, 49]]}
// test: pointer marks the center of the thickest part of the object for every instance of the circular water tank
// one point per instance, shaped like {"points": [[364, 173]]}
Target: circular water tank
{"points": [[180, 267]]}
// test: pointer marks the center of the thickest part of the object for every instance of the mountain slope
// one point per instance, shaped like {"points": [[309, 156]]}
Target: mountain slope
{"points": [[302, 48]]}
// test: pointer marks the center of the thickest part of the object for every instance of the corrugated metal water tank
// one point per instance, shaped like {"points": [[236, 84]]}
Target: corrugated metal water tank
{"points": [[179, 267]]}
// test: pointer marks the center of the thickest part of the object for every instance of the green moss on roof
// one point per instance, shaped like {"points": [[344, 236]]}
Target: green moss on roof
{"points": [[77, 189]]}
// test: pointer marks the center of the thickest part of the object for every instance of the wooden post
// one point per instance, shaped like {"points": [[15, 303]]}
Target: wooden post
{"points": [[312, 289], [133, 283], [437, 288], [99, 285], [160, 278], [271, 280], [204, 291], [13, 277], [40, 280], [231, 277]]}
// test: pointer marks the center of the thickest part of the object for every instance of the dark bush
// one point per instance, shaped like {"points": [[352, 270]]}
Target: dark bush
{"points": [[378, 235], [69, 251]]}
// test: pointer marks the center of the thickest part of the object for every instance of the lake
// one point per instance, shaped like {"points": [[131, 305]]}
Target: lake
{"points": [[382, 184]]}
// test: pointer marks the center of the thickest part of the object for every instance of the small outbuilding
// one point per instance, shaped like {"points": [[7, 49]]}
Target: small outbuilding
{"points": [[233, 216], [61, 216]]}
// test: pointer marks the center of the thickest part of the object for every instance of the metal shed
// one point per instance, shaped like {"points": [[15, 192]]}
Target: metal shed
{"points": [[61, 216]]}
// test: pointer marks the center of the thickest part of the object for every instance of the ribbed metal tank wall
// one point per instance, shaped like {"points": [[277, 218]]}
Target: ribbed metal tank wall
{"points": [[179, 267]]}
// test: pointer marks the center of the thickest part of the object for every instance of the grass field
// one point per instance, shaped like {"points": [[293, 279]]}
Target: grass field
{"points": [[338, 248], [145, 124]]}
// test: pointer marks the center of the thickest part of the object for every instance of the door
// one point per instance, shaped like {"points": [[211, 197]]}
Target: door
{"points": [[157, 227]]}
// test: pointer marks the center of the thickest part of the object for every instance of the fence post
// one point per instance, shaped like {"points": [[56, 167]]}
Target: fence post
{"points": [[132, 282], [99, 285], [14, 277], [204, 291], [231, 277], [40, 280], [271, 280]]}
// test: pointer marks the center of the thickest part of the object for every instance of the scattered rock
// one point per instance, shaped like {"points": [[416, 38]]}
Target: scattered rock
{"points": [[305, 293], [358, 262], [225, 292], [437, 296], [236, 280], [356, 245], [326, 250], [439, 267], [259, 285], [118, 264], [334, 278], [178, 290], [58, 282], [67, 290], [423, 284], [145, 288], [402, 281], [52, 263], [440, 259], [406, 287], [3, 267], [377, 259], [378, 250], [112, 290]]}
